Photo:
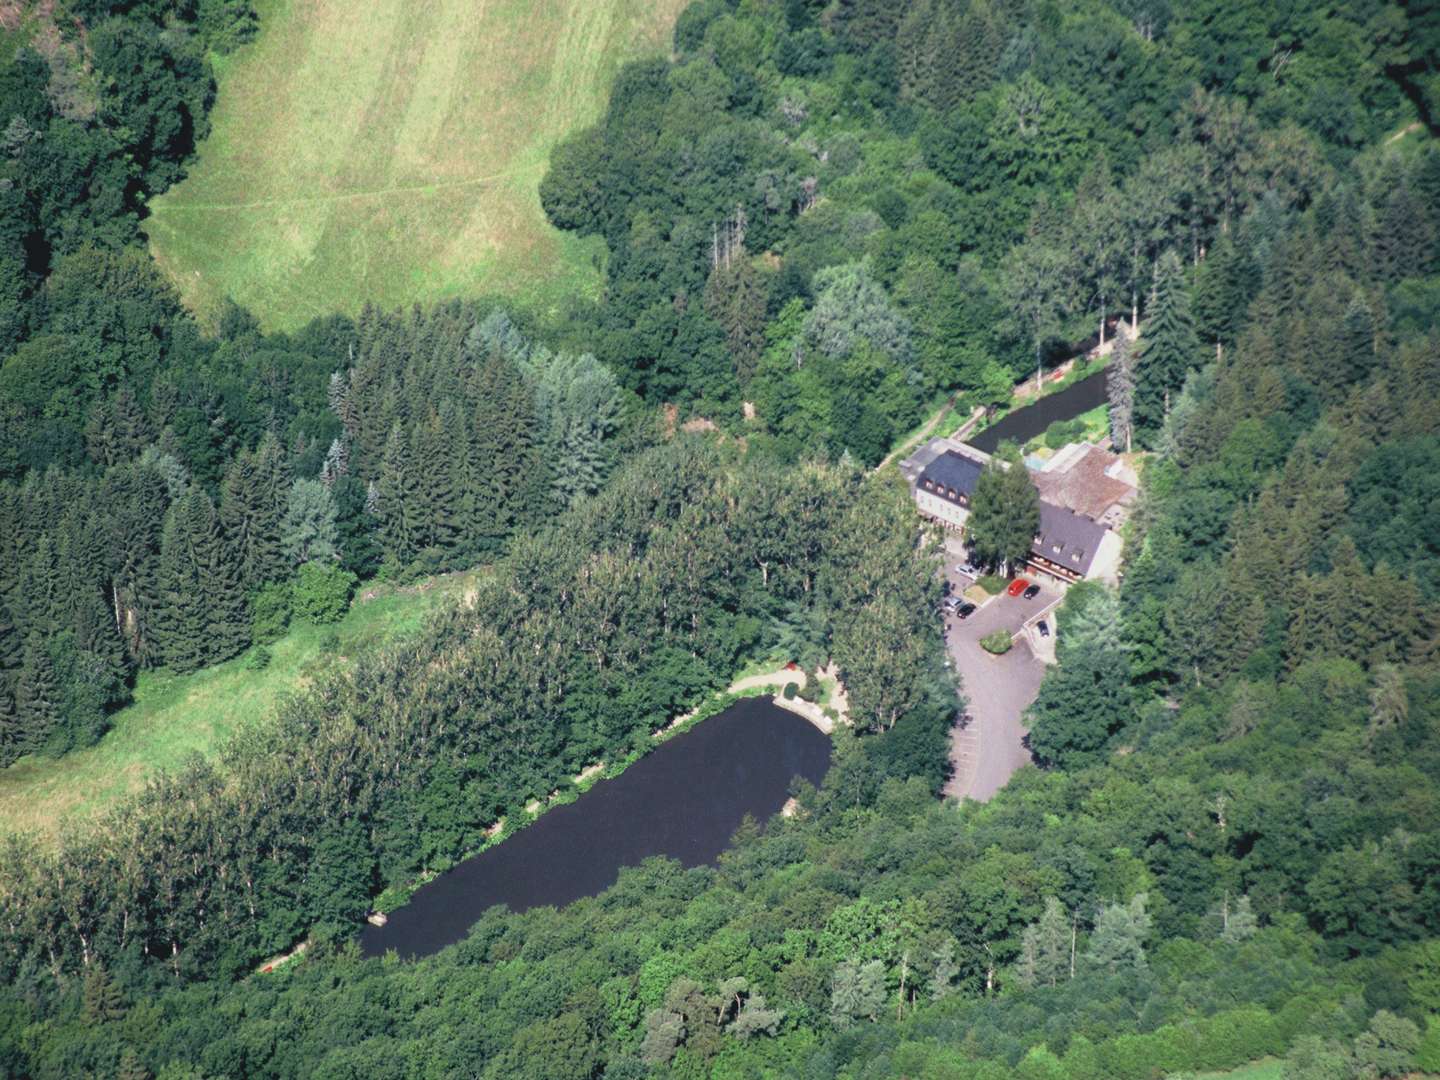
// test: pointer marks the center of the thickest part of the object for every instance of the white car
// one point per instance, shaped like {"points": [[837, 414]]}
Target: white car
{"points": [[967, 569]]}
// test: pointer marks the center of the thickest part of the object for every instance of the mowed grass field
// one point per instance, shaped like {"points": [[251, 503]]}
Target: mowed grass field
{"points": [[176, 716], [391, 151]]}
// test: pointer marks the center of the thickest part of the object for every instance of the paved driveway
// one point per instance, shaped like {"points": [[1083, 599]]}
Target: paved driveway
{"points": [[987, 745]]}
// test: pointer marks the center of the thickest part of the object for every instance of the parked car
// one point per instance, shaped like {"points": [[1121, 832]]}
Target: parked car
{"points": [[1043, 627], [1032, 592], [1018, 586], [965, 610], [953, 602]]}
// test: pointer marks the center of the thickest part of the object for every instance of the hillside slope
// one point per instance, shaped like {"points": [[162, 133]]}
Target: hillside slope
{"points": [[391, 152]]}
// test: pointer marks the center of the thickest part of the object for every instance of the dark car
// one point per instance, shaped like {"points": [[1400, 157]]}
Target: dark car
{"points": [[965, 610], [1032, 592], [1043, 627]]}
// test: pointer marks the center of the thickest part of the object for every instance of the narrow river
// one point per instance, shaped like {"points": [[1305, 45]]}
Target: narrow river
{"points": [[1022, 425], [684, 800]]}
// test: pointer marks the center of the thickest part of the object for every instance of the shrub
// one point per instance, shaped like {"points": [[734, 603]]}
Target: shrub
{"points": [[270, 612], [322, 592], [996, 643], [790, 691], [1064, 431], [259, 659], [1427, 1056]]}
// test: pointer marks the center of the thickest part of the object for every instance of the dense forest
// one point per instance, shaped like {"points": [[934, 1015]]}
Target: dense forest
{"points": [[840, 214]]}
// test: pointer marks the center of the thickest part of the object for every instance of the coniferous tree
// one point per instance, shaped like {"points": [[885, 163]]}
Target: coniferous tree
{"points": [[132, 503], [1117, 944], [433, 498], [100, 440], [577, 404], [130, 1067], [337, 463], [1237, 920], [1224, 284], [392, 489], [132, 427], [857, 992], [355, 528], [1169, 348], [200, 616], [735, 298], [12, 656], [43, 589], [1120, 390], [101, 997], [1342, 234], [1404, 237], [253, 500], [510, 476], [1046, 945], [37, 697], [1356, 354]]}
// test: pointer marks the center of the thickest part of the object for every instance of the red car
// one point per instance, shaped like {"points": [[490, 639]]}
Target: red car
{"points": [[1018, 586]]}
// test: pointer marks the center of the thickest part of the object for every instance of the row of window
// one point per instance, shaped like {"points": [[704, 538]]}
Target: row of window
{"points": [[1056, 548], [941, 489]]}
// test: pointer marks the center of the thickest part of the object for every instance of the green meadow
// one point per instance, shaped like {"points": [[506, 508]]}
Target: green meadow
{"points": [[392, 151], [176, 716]]}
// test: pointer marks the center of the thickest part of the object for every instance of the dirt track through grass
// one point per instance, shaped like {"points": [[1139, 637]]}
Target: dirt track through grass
{"points": [[392, 152]]}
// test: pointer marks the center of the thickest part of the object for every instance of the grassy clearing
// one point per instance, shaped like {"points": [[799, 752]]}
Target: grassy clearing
{"points": [[175, 716], [391, 152], [1260, 1070]]}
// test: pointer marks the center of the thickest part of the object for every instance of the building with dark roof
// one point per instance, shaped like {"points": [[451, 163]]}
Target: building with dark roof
{"points": [[1069, 545], [944, 486]]}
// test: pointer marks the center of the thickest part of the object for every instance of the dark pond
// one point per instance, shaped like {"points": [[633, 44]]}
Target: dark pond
{"points": [[1024, 424], [684, 800]]}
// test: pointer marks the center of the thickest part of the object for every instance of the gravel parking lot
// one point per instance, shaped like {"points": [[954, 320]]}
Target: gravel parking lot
{"points": [[987, 746]]}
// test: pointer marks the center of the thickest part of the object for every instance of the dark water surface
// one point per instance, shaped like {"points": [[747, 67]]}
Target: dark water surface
{"points": [[684, 800], [1024, 424]]}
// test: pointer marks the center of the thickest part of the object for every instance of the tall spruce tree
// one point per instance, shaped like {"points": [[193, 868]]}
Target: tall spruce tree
{"points": [[201, 617], [355, 528], [12, 656], [1405, 240], [1046, 946], [510, 475], [434, 497], [38, 696], [132, 503], [392, 491], [1117, 944], [1224, 284], [1120, 391], [1356, 355], [1169, 348], [253, 501]]}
